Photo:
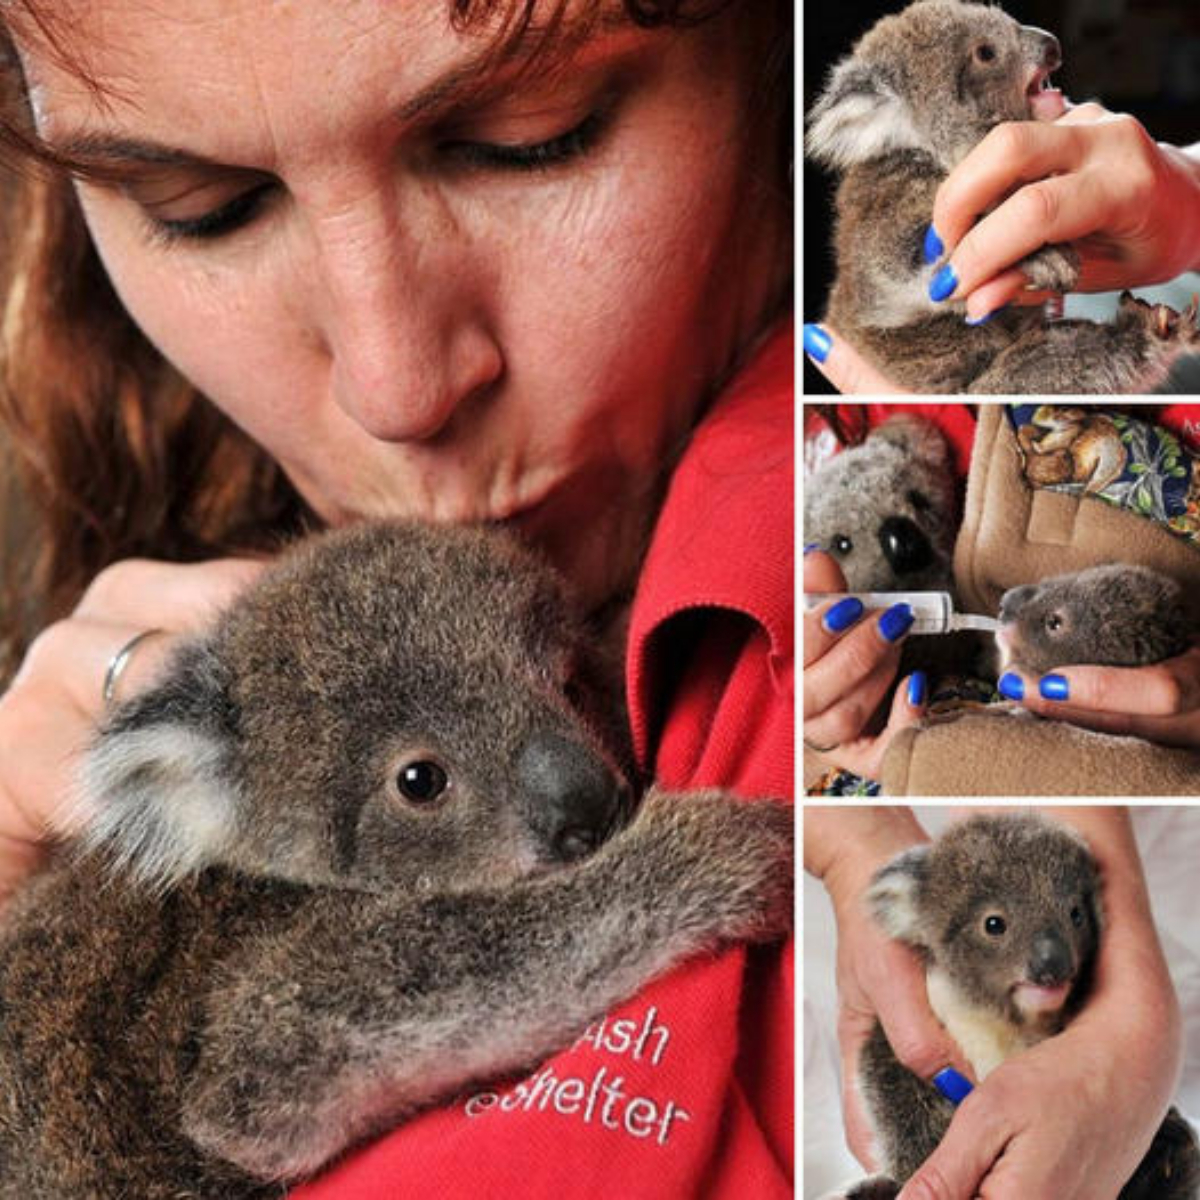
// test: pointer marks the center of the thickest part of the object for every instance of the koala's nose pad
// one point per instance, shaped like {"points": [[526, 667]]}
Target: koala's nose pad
{"points": [[1049, 959], [905, 547], [575, 799], [1042, 48]]}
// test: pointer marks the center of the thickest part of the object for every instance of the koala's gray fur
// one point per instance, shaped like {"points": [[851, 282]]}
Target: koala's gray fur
{"points": [[885, 509], [918, 92], [1116, 615], [286, 934], [1006, 912]]}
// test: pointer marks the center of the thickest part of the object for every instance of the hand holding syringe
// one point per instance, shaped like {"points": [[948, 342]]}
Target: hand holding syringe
{"points": [[933, 612]]}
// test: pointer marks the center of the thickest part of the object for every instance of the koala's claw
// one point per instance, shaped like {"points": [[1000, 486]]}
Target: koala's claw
{"points": [[1052, 269], [1162, 321]]}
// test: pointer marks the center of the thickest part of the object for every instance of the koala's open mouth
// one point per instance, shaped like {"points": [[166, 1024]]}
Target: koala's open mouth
{"points": [[1046, 102], [1036, 998]]}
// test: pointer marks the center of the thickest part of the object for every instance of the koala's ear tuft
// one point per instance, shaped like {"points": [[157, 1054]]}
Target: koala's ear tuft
{"points": [[160, 798], [895, 893], [859, 116], [921, 440]]}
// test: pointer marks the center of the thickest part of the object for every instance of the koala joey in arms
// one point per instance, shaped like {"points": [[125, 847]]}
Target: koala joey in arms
{"points": [[1116, 615], [920, 89], [1006, 912], [368, 841]]}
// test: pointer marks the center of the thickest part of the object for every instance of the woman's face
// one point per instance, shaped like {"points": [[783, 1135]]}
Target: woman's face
{"points": [[420, 297]]}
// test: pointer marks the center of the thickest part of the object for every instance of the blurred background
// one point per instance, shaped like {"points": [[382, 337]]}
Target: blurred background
{"points": [[1142, 58]]}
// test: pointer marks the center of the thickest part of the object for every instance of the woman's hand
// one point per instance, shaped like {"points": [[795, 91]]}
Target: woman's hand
{"points": [[1129, 206], [878, 978], [48, 714], [850, 663], [1071, 1118], [843, 366], [1160, 703]]}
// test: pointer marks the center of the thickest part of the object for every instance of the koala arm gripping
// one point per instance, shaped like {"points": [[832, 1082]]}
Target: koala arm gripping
{"points": [[370, 1007]]}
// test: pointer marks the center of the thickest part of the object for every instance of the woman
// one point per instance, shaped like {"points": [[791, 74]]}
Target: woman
{"points": [[494, 262]]}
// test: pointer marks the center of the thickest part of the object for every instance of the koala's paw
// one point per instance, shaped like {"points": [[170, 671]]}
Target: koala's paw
{"points": [[730, 864], [1052, 268], [878, 1187], [1161, 322]]}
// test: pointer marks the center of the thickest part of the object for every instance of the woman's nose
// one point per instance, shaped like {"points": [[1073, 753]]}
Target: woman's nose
{"points": [[407, 337]]}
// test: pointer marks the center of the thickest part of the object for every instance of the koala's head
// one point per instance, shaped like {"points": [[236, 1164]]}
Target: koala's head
{"points": [[885, 509], [1006, 907], [394, 705], [1114, 615], [935, 77]]}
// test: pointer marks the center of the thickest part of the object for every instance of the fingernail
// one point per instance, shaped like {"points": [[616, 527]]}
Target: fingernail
{"points": [[896, 622], [986, 316], [1011, 687], [943, 284], [811, 547], [1053, 687], [932, 248], [842, 615], [817, 343], [953, 1085], [917, 684]]}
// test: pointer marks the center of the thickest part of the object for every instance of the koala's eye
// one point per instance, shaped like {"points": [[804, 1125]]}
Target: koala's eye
{"points": [[1077, 917], [994, 926], [1053, 622], [985, 52], [842, 544], [421, 781]]}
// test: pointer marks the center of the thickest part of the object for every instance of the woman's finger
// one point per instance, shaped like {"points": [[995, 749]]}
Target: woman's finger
{"points": [[865, 755], [843, 366], [851, 712]]}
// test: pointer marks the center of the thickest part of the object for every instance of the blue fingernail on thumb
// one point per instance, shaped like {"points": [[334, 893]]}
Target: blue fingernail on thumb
{"points": [[817, 342], [955, 1087], [932, 248], [1011, 687]]}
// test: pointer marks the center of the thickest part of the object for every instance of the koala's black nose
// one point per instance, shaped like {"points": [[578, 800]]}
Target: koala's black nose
{"points": [[1042, 49], [574, 798], [905, 547], [1049, 959]]}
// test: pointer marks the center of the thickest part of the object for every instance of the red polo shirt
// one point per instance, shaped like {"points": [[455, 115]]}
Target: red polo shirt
{"points": [[686, 1090]]}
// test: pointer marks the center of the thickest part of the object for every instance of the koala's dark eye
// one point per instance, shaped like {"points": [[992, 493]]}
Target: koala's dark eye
{"points": [[994, 926], [985, 52], [919, 501], [1077, 917], [842, 544], [421, 781], [1052, 622]]}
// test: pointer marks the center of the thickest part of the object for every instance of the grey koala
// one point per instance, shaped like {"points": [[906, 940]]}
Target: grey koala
{"points": [[885, 509], [1006, 912], [920, 89], [367, 842], [1117, 615]]}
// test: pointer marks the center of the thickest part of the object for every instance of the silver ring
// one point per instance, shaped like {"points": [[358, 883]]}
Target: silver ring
{"points": [[120, 660]]}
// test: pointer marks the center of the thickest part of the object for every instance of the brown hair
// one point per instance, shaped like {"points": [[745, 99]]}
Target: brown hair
{"points": [[109, 453]]}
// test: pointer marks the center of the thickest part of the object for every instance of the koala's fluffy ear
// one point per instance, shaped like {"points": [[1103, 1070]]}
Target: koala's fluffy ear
{"points": [[919, 439], [859, 116], [895, 891], [160, 797]]}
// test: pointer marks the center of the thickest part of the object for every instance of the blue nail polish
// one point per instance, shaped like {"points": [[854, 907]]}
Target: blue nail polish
{"points": [[817, 342], [932, 248], [953, 1085], [811, 547], [1053, 687], [896, 622], [917, 685], [986, 316], [1011, 687], [943, 284], [842, 615]]}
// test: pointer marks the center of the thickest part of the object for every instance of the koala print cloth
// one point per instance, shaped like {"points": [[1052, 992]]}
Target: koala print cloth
{"points": [[1124, 461]]}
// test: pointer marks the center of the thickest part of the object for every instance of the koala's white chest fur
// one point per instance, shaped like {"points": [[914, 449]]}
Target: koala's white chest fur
{"points": [[986, 1039]]}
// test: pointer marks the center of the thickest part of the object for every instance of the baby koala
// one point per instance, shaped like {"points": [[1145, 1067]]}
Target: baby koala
{"points": [[367, 842], [921, 89], [1116, 615], [1005, 910]]}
